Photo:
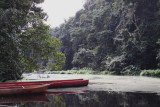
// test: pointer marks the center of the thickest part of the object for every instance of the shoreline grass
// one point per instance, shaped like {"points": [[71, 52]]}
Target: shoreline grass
{"points": [[148, 73], [78, 72], [151, 73]]}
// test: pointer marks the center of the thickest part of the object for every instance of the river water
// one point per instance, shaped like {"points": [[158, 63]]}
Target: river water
{"points": [[102, 91]]}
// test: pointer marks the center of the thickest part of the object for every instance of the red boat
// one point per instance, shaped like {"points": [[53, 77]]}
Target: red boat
{"points": [[53, 83], [62, 84], [26, 89]]}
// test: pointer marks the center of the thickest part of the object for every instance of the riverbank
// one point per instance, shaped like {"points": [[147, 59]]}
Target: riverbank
{"points": [[148, 73]]}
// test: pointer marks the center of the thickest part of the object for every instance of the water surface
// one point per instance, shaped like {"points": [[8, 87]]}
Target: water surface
{"points": [[85, 99], [102, 91]]}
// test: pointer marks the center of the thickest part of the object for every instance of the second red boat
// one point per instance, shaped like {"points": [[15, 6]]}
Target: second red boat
{"points": [[53, 83]]}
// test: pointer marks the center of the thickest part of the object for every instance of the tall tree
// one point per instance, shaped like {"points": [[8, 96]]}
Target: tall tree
{"points": [[25, 41]]}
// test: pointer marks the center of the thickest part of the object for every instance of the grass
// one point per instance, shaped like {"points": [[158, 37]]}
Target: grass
{"points": [[78, 72], [151, 73]]}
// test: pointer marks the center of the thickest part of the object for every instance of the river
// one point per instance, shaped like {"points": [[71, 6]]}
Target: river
{"points": [[102, 91]]}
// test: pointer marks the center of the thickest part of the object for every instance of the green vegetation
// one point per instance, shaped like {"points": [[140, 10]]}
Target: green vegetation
{"points": [[81, 71], [25, 41], [119, 36], [151, 73], [108, 36]]}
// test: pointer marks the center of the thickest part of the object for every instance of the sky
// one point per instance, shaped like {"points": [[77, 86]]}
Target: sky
{"points": [[60, 10]]}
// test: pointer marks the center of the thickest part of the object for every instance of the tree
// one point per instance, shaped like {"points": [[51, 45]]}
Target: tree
{"points": [[25, 41], [123, 31], [38, 46], [158, 53], [83, 58]]}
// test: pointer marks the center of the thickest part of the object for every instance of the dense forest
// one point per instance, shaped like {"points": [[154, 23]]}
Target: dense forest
{"points": [[120, 36], [25, 41]]}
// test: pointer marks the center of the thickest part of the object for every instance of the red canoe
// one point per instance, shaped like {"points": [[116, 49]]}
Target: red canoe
{"points": [[53, 83], [76, 83], [27, 89]]}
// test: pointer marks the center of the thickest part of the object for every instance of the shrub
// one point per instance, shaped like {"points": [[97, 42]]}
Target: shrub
{"points": [[151, 73], [131, 70], [106, 72]]}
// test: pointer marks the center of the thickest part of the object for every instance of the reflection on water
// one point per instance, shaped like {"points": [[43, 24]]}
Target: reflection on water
{"points": [[41, 97], [88, 99]]}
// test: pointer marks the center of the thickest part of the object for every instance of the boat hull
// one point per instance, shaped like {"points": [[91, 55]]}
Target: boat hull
{"points": [[28, 89], [53, 83], [63, 84]]}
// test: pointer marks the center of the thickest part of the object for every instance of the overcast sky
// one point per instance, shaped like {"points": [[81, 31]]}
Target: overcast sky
{"points": [[59, 10]]}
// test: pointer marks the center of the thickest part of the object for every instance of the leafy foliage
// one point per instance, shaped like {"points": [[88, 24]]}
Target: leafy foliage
{"points": [[121, 34], [25, 42], [151, 73], [57, 61], [131, 70], [158, 53], [83, 58], [38, 46]]}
